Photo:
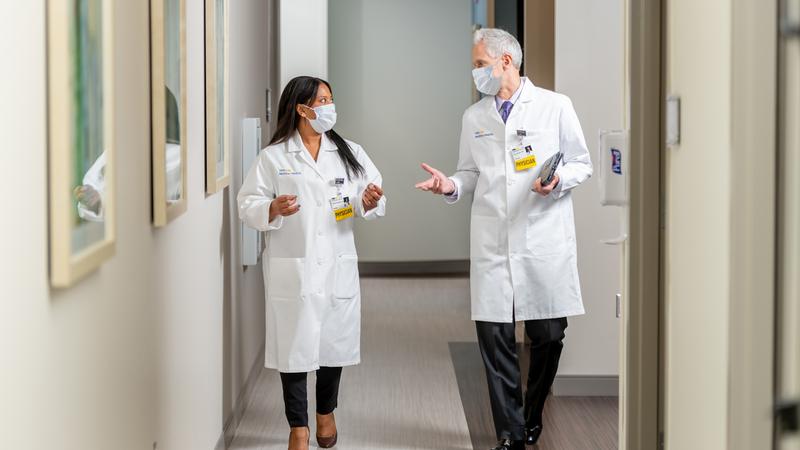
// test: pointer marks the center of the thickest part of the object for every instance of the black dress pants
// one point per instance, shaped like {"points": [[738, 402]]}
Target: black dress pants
{"points": [[295, 394], [498, 346]]}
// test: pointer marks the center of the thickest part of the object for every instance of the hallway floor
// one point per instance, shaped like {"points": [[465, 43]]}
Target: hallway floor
{"points": [[413, 332]]}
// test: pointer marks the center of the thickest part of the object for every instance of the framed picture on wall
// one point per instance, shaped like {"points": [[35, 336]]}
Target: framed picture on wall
{"points": [[81, 137], [217, 96], [168, 108]]}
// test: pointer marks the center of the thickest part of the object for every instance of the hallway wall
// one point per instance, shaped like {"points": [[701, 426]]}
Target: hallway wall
{"points": [[79, 364], [589, 69], [719, 273], [210, 310], [303, 39], [400, 91], [155, 346], [697, 299]]}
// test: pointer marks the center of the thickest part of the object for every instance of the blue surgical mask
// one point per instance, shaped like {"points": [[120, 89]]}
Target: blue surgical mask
{"points": [[485, 81]]}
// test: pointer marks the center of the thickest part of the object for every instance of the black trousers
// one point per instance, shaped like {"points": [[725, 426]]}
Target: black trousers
{"points": [[295, 394], [498, 346]]}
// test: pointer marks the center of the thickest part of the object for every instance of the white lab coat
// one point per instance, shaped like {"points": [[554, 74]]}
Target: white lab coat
{"points": [[522, 245], [95, 178], [313, 298]]}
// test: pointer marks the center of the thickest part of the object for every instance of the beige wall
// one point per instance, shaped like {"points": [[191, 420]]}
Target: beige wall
{"points": [[719, 241], [698, 198], [156, 344]]}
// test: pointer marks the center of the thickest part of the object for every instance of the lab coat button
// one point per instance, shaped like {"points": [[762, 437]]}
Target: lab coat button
{"points": [[510, 182], [319, 203]]}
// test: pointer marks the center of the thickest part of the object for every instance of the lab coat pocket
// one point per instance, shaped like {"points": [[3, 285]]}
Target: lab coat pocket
{"points": [[544, 143], [285, 277], [483, 237], [545, 234], [346, 281]]}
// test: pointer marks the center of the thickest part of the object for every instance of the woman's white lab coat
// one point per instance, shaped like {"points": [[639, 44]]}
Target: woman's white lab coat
{"points": [[313, 298], [522, 245]]}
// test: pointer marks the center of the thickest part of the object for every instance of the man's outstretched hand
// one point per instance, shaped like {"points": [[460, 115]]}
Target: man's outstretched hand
{"points": [[438, 183]]}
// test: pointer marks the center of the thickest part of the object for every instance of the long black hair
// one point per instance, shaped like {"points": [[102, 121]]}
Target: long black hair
{"points": [[303, 90]]}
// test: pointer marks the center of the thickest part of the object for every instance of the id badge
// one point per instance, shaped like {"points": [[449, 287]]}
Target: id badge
{"points": [[524, 158], [342, 209]]}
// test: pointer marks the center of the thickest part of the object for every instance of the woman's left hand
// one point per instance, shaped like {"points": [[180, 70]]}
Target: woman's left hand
{"points": [[371, 197]]}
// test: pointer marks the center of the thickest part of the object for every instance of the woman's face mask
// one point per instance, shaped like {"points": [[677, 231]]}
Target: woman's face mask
{"points": [[324, 117], [485, 81]]}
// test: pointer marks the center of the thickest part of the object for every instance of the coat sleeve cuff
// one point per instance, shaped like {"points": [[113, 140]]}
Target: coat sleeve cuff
{"points": [[256, 216], [453, 197], [374, 213]]}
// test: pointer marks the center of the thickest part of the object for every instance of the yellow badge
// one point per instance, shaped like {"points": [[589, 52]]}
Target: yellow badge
{"points": [[343, 213], [524, 158], [342, 209]]}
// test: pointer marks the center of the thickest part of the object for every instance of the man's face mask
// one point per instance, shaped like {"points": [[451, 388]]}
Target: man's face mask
{"points": [[485, 81]]}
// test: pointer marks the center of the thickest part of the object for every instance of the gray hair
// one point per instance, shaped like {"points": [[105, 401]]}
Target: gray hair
{"points": [[498, 43]]}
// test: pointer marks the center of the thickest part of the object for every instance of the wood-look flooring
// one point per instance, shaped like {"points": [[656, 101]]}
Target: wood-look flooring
{"points": [[407, 393]]}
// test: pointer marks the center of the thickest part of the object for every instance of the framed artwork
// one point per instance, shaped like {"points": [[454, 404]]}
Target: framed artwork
{"points": [[81, 137], [168, 108], [217, 96]]}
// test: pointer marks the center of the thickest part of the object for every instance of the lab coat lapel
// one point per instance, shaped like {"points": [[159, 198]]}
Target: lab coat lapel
{"points": [[522, 103], [296, 146], [491, 111]]}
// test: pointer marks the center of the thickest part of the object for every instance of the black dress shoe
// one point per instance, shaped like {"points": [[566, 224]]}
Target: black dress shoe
{"points": [[532, 435], [508, 444]]}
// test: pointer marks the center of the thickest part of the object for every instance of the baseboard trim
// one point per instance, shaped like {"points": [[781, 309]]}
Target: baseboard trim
{"points": [[456, 267], [586, 386], [242, 402]]}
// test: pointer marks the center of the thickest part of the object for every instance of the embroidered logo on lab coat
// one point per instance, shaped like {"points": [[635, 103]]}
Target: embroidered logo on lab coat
{"points": [[482, 133]]}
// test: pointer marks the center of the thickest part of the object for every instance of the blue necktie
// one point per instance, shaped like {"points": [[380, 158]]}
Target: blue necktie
{"points": [[505, 110]]}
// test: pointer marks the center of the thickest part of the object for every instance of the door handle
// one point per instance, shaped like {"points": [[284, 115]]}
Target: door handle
{"points": [[617, 240]]}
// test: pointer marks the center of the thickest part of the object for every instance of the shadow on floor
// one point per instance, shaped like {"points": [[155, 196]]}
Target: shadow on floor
{"points": [[570, 423]]}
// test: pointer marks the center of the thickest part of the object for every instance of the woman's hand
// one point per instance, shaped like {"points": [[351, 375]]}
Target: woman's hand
{"points": [[371, 197], [284, 205]]}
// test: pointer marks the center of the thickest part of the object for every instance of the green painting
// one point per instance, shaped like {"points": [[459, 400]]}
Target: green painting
{"points": [[172, 79], [86, 78]]}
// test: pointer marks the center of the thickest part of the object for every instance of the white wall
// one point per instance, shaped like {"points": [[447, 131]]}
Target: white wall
{"points": [[401, 80], [79, 365], [156, 344], [589, 69], [303, 39]]}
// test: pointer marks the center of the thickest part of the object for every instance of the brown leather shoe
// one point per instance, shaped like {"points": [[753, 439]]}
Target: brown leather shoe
{"points": [[330, 440], [299, 438]]}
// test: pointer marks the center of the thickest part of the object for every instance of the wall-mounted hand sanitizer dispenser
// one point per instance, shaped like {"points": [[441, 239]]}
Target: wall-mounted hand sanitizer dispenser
{"points": [[613, 161], [251, 146]]}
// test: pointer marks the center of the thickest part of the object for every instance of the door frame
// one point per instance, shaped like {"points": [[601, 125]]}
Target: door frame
{"points": [[639, 397], [754, 152], [787, 256]]}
